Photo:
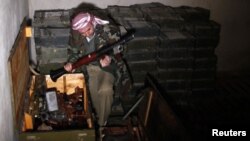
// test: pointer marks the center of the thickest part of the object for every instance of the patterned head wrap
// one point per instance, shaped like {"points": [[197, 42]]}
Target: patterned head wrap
{"points": [[83, 20]]}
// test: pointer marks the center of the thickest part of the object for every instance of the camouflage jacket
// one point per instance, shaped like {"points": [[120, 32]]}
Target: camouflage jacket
{"points": [[104, 34]]}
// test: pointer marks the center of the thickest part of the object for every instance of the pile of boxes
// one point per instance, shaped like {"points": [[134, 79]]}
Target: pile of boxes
{"points": [[175, 44], [51, 35]]}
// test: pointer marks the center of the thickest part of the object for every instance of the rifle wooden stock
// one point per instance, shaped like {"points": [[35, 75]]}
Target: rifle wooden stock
{"points": [[55, 74], [85, 60]]}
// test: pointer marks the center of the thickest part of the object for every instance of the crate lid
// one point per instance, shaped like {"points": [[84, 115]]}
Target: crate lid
{"points": [[18, 65]]}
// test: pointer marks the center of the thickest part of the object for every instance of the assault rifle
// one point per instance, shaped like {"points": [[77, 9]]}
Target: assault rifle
{"points": [[55, 74]]}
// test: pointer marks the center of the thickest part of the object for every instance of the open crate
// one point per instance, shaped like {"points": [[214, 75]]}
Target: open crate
{"points": [[43, 109]]}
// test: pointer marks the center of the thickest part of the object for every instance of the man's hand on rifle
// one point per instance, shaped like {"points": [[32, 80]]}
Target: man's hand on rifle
{"points": [[68, 67], [105, 61]]}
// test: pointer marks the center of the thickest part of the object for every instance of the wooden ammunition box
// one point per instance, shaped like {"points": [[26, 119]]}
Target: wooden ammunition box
{"points": [[43, 109]]}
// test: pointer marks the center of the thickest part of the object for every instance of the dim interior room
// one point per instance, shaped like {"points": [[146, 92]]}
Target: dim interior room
{"points": [[232, 51]]}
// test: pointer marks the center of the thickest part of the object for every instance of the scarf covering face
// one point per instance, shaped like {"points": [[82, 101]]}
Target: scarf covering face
{"points": [[84, 20]]}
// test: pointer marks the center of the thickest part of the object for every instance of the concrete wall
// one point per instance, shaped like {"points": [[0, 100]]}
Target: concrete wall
{"points": [[12, 13], [234, 48]]}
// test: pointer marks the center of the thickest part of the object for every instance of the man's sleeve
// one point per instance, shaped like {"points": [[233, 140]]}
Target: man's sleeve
{"points": [[75, 43], [111, 35]]}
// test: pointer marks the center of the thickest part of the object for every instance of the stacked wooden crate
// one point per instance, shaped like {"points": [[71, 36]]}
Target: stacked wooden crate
{"points": [[206, 33], [51, 35], [175, 62]]}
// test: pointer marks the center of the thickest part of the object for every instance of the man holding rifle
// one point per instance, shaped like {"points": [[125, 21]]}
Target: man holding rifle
{"points": [[88, 34]]}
